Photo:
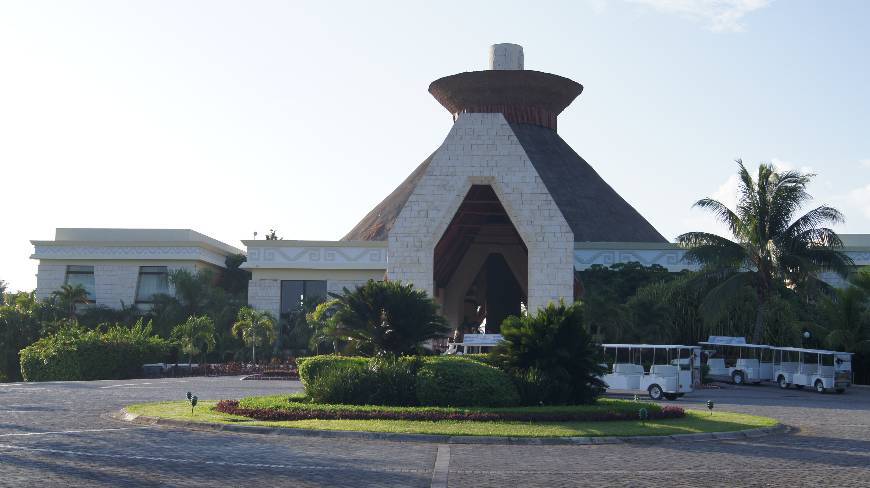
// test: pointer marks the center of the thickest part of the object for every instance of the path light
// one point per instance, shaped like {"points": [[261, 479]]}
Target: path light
{"points": [[710, 406], [643, 414], [192, 404]]}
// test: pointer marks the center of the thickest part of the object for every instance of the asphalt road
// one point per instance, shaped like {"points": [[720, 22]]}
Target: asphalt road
{"points": [[56, 434]]}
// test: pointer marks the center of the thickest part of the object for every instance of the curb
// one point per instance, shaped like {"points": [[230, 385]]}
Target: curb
{"points": [[124, 416]]}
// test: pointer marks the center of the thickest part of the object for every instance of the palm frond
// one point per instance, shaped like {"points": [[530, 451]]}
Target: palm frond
{"points": [[712, 250], [819, 216], [723, 214]]}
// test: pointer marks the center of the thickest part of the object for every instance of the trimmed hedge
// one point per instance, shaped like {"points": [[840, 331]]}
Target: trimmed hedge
{"points": [[431, 381], [458, 382], [297, 408], [77, 354], [312, 367]]}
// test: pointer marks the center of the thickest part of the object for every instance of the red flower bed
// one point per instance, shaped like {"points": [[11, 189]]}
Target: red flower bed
{"points": [[276, 414]]}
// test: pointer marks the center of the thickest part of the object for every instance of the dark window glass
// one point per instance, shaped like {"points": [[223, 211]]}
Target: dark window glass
{"points": [[82, 275], [153, 280], [293, 292]]}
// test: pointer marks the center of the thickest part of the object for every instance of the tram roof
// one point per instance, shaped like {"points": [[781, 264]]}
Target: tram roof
{"points": [[755, 346], [811, 351], [649, 346]]}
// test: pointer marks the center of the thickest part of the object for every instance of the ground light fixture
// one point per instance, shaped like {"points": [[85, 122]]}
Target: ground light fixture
{"points": [[710, 405]]}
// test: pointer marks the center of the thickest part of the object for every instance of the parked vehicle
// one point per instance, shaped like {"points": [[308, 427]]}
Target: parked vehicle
{"points": [[661, 371], [820, 369], [474, 344], [732, 359]]}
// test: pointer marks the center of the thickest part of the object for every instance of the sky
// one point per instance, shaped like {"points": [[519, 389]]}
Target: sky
{"points": [[236, 117]]}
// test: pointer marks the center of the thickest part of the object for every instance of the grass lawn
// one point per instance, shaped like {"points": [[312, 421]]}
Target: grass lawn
{"points": [[694, 422], [299, 401]]}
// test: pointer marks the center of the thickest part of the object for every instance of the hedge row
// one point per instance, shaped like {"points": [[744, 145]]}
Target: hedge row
{"points": [[432, 381], [536, 414], [76, 354]]}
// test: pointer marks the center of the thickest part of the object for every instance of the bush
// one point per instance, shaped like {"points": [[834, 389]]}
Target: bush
{"points": [[312, 367], [551, 356], [77, 354], [408, 380], [377, 381], [459, 382]]}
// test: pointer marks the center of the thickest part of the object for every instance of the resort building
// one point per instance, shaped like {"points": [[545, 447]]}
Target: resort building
{"points": [[500, 216], [122, 267]]}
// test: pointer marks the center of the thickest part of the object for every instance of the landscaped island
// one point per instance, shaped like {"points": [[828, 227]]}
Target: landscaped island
{"points": [[692, 422]]}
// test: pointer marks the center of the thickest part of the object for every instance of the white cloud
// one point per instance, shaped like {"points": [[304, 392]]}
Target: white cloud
{"points": [[781, 165], [719, 15], [860, 197], [727, 191], [865, 163]]}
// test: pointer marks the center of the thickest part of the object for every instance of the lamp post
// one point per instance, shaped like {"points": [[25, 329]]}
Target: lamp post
{"points": [[805, 337]]}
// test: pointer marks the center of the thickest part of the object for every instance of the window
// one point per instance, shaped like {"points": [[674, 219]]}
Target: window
{"points": [[293, 292], [82, 275], [153, 280]]}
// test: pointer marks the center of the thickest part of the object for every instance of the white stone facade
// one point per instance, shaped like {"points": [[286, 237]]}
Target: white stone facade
{"points": [[482, 149], [343, 264], [117, 256]]}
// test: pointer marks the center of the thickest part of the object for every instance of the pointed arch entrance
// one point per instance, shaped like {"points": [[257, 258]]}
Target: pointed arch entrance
{"points": [[480, 267]]}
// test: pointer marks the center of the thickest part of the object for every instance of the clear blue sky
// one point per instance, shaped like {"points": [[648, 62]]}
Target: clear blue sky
{"points": [[235, 117]]}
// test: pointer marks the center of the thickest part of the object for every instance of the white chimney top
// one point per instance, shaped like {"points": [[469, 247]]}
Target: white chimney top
{"points": [[506, 56]]}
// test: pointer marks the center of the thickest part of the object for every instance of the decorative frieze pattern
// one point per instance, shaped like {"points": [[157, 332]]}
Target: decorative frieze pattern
{"points": [[317, 257]]}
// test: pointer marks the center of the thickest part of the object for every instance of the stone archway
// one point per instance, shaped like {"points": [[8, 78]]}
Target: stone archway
{"points": [[480, 265]]}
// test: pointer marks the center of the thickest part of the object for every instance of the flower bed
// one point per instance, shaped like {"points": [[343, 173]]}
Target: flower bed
{"points": [[294, 408]]}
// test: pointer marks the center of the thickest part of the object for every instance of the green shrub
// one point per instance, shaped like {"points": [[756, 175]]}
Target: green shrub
{"points": [[551, 356], [484, 358], [460, 382], [77, 354], [312, 367], [346, 383], [360, 381]]}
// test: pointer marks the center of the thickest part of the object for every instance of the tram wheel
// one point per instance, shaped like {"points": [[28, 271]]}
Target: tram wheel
{"points": [[737, 378], [655, 392], [820, 387]]}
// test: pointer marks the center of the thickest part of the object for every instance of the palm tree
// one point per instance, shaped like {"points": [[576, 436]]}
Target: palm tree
{"points": [[768, 247], [256, 328], [69, 296], [194, 336], [386, 317]]}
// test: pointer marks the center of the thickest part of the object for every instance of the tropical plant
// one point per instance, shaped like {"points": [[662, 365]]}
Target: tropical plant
{"points": [[552, 355], [194, 336], [256, 328], [199, 294], [296, 330], [76, 353], [386, 317], [768, 247], [69, 296], [845, 320]]}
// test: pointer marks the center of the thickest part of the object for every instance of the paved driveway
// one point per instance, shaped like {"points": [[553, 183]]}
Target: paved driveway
{"points": [[53, 434]]}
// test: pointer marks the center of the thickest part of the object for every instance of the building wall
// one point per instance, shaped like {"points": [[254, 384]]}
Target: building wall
{"points": [[264, 289], [482, 149], [115, 282]]}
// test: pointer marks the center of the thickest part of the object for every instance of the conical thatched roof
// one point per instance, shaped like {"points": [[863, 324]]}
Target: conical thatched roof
{"points": [[530, 102], [595, 212]]}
